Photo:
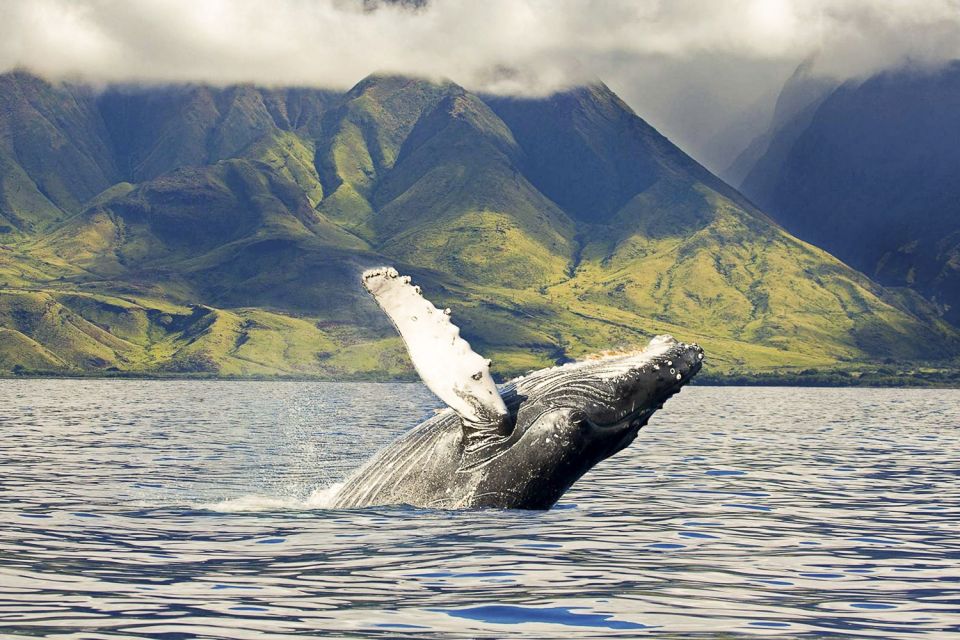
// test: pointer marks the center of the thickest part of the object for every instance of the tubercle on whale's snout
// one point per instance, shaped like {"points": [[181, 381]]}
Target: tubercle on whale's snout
{"points": [[682, 367], [692, 356], [678, 366]]}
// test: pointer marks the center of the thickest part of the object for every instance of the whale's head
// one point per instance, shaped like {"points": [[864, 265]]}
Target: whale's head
{"points": [[571, 417], [611, 397], [616, 395]]}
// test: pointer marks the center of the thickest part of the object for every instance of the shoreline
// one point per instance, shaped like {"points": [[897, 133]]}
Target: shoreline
{"points": [[832, 379]]}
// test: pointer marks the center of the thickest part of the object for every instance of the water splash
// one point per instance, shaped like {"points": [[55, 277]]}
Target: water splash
{"points": [[320, 499]]}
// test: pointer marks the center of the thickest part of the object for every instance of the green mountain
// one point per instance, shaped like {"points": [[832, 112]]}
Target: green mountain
{"points": [[871, 172], [223, 230]]}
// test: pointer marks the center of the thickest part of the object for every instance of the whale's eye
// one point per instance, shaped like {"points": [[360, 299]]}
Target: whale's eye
{"points": [[579, 420]]}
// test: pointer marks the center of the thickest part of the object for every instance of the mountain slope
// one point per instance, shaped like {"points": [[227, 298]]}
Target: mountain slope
{"points": [[53, 152], [590, 153], [798, 101], [554, 227], [873, 175], [456, 201]]}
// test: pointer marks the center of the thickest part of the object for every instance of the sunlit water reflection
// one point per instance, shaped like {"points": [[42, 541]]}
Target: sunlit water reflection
{"points": [[186, 509]]}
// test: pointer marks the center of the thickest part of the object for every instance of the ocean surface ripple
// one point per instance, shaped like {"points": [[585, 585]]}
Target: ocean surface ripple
{"points": [[148, 509]]}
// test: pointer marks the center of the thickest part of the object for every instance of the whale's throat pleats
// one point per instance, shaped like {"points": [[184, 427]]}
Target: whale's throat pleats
{"points": [[445, 362]]}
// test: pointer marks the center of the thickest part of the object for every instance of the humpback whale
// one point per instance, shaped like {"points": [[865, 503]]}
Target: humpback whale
{"points": [[518, 447]]}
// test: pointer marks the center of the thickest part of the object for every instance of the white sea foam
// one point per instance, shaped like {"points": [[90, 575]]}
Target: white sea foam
{"points": [[319, 499]]}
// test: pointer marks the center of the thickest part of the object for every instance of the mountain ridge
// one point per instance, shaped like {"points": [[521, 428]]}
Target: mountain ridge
{"points": [[871, 175], [223, 201]]}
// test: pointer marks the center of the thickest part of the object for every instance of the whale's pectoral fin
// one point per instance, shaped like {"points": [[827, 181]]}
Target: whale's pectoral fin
{"points": [[446, 363]]}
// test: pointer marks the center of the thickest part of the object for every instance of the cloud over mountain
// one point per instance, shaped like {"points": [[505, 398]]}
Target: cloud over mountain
{"points": [[688, 66]]}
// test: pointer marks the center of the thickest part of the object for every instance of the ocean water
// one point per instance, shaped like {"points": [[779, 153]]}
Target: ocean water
{"points": [[136, 509]]}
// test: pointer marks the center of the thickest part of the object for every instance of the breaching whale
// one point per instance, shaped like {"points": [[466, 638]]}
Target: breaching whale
{"points": [[518, 447]]}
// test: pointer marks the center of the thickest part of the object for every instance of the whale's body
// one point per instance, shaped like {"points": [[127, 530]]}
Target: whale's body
{"points": [[521, 446]]}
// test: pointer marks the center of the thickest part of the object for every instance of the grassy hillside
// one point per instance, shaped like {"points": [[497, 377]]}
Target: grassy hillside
{"points": [[870, 172], [224, 231], [72, 331]]}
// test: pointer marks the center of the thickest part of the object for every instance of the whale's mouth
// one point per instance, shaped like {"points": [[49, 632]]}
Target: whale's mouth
{"points": [[634, 419]]}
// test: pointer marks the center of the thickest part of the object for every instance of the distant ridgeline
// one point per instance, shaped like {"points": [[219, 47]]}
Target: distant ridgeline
{"points": [[870, 171], [193, 229]]}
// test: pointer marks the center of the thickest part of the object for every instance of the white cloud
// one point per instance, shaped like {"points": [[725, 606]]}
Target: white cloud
{"points": [[661, 56]]}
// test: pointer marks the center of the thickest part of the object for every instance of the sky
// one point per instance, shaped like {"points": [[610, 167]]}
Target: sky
{"points": [[704, 72]]}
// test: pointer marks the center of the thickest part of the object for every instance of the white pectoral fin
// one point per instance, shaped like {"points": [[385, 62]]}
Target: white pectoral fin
{"points": [[446, 363]]}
